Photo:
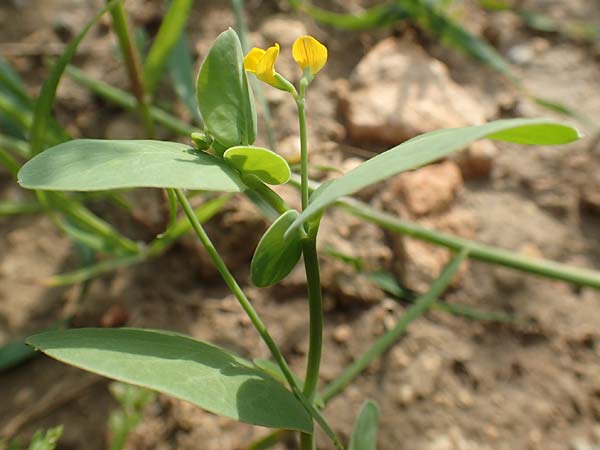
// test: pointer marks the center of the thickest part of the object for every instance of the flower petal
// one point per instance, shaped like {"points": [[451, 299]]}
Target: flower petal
{"points": [[252, 59], [265, 69], [308, 52]]}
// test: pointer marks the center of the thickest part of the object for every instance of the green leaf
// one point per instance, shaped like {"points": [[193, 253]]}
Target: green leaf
{"points": [[91, 164], [168, 34], [43, 106], [181, 69], [265, 164], [377, 16], [429, 147], [224, 95], [205, 375], [276, 255], [364, 434], [47, 441]]}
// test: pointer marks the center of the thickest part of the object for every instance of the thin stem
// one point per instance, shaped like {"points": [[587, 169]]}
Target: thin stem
{"points": [[132, 63], [235, 287], [313, 281], [382, 344], [253, 315], [303, 148]]}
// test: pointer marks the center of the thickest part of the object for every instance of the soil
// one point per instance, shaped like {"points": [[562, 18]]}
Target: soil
{"points": [[450, 383]]}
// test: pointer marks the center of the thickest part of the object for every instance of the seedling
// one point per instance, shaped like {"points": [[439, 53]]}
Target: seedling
{"points": [[224, 159]]}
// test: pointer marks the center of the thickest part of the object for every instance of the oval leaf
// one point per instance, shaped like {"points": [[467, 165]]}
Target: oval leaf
{"points": [[364, 434], [205, 375], [276, 255], [435, 145], [224, 95], [265, 164], [91, 165]]}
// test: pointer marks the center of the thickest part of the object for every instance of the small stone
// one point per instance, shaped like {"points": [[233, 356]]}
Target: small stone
{"points": [[342, 333], [429, 189], [406, 395], [398, 91]]}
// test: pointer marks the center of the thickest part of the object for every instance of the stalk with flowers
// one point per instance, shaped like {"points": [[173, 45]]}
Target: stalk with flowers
{"points": [[223, 158]]}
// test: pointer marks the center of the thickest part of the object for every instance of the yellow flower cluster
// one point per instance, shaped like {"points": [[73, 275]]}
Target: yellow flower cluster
{"points": [[307, 52]]}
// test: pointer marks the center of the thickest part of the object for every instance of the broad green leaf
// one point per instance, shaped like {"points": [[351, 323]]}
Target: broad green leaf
{"points": [[265, 164], [364, 434], [91, 164], [43, 107], [224, 94], [429, 147], [276, 255], [177, 365], [168, 34]]}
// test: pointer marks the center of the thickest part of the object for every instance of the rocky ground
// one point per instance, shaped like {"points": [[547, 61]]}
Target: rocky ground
{"points": [[450, 383]]}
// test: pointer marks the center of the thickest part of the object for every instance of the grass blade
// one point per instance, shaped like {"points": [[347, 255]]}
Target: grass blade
{"points": [[169, 33], [181, 68], [43, 106], [382, 344]]}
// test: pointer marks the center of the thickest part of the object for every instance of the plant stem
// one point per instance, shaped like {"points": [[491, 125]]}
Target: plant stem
{"points": [[313, 280], [315, 301], [303, 148], [382, 344], [132, 63]]}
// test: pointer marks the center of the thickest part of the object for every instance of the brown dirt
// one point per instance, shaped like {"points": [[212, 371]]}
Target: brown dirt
{"points": [[450, 383]]}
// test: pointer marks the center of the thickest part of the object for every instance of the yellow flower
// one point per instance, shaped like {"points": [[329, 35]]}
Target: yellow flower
{"points": [[308, 52], [262, 63]]}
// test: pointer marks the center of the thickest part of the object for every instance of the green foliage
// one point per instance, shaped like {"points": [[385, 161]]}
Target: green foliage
{"points": [[91, 165], [224, 94], [39, 441], [205, 375], [166, 39], [181, 69], [364, 433], [276, 256], [429, 147], [43, 106], [260, 162], [122, 421]]}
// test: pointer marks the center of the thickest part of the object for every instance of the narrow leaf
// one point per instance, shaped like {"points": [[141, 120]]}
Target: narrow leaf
{"points": [[205, 375], [224, 95], [181, 68], [168, 34], [364, 434], [435, 145], [265, 164], [91, 165], [276, 255], [43, 106]]}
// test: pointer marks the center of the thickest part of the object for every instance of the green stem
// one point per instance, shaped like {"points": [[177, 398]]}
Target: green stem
{"points": [[253, 315], [303, 148], [481, 252], [313, 281], [382, 344], [236, 289], [315, 301], [132, 63]]}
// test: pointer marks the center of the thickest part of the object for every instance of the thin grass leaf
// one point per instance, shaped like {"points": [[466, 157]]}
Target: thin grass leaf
{"points": [[8, 208], [168, 34], [388, 339], [128, 102], [11, 82], [10, 163], [427, 15], [17, 147], [43, 106], [181, 68], [378, 16]]}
